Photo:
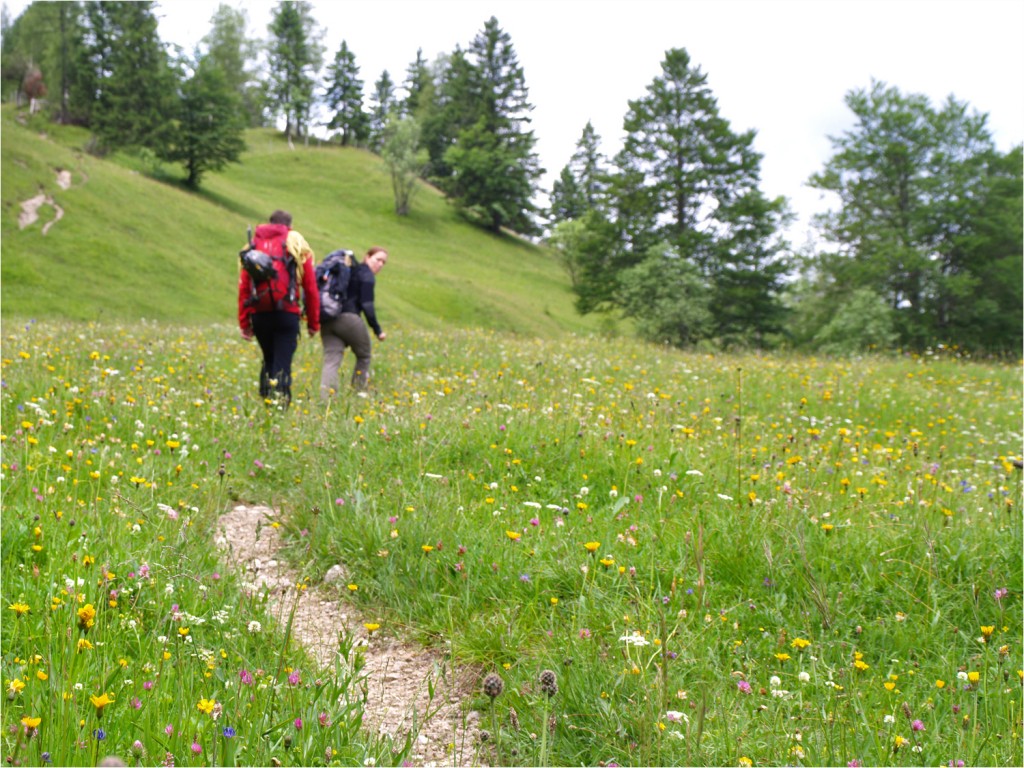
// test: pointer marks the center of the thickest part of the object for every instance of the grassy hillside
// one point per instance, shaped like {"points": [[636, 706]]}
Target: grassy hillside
{"points": [[129, 245]]}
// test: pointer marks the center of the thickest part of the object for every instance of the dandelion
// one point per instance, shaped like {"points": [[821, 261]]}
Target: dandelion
{"points": [[986, 632], [254, 627], [592, 546], [86, 617], [800, 643], [513, 535], [371, 628], [100, 702], [782, 657], [493, 685], [973, 677], [20, 609], [31, 724], [940, 684], [860, 665]]}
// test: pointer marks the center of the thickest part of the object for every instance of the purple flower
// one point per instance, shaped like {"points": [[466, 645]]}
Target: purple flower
{"points": [[1000, 593], [298, 723], [743, 686], [229, 732], [853, 764], [294, 678], [525, 577], [917, 725], [246, 677], [196, 748]]}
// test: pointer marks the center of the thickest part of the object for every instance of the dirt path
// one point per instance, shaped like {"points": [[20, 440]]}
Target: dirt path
{"points": [[30, 208], [398, 673]]}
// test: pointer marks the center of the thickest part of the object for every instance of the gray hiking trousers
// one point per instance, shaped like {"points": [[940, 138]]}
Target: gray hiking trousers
{"points": [[345, 330]]}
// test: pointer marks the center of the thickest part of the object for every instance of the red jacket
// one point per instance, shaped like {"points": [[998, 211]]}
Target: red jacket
{"points": [[271, 239]]}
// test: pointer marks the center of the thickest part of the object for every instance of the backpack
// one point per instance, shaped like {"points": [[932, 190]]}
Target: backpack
{"points": [[332, 277], [273, 276]]}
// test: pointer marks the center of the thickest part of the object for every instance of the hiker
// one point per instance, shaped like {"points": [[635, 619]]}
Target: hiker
{"points": [[348, 329], [270, 311]]}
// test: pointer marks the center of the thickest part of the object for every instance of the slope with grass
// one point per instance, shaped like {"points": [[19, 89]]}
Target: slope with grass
{"points": [[133, 243]]}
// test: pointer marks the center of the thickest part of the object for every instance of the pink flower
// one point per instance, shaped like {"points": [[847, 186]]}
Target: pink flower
{"points": [[294, 678], [196, 748], [246, 677], [917, 725], [298, 723], [324, 719], [744, 686]]}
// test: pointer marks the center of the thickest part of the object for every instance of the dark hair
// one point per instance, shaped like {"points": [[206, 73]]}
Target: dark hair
{"points": [[375, 249], [281, 217]]}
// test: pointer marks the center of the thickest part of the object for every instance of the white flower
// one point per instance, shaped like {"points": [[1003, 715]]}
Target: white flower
{"points": [[961, 676], [695, 472], [634, 639], [774, 681], [676, 717], [723, 497], [804, 677], [888, 719], [255, 627]]}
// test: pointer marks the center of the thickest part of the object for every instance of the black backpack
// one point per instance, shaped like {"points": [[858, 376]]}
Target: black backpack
{"points": [[332, 276]]}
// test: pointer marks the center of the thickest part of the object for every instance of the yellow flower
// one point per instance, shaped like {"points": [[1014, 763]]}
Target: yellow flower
{"points": [[591, 546], [206, 706], [353, 587], [427, 549], [607, 561], [973, 677], [861, 665], [986, 632], [371, 628], [14, 687], [41, 674], [746, 762], [183, 631], [800, 643], [889, 685], [554, 601], [100, 702], [513, 535], [782, 656], [84, 645], [19, 608], [31, 722], [86, 617], [940, 683]]}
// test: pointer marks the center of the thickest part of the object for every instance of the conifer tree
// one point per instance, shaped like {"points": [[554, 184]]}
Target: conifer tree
{"points": [[344, 97], [295, 57]]}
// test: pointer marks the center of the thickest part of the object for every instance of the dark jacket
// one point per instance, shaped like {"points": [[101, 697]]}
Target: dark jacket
{"points": [[359, 299]]}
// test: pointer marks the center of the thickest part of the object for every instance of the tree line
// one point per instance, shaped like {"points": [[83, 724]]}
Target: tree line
{"points": [[672, 232]]}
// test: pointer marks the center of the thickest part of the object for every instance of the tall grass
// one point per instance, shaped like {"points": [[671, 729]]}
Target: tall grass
{"points": [[716, 560]]}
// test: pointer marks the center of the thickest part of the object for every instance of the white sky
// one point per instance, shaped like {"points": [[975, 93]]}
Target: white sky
{"points": [[781, 67]]}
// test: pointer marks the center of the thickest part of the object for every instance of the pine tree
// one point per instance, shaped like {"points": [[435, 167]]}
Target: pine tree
{"points": [[383, 104], [344, 97], [207, 131], [685, 179], [498, 141], [295, 57], [125, 85], [229, 48]]}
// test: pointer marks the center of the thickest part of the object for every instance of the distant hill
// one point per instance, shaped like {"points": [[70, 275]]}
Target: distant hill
{"points": [[114, 240]]}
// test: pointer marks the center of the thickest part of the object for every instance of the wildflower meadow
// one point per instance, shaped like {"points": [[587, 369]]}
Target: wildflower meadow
{"points": [[646, 557]]}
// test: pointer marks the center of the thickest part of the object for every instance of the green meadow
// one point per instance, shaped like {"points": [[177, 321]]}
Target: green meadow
{"points": [[645, 556]]}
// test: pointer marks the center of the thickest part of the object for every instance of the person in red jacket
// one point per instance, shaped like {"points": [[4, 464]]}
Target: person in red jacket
{"points": [[271, 311]]}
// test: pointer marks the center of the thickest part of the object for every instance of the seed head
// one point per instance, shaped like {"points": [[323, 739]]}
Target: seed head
{"points": [[548, 682], [493, 685], [513, 718]]}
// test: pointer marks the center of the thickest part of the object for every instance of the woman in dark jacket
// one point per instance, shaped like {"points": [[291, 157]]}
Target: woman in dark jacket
{"points": [[348, 329]]}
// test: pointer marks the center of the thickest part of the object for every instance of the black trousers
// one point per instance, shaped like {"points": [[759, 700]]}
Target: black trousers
{"points": [[278, 335]]}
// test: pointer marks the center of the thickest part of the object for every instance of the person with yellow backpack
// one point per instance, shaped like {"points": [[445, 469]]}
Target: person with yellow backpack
{"points": [[277, 271]]}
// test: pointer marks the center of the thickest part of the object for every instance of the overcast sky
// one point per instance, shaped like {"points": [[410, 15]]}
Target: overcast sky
{"points": [[780, 67]]}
